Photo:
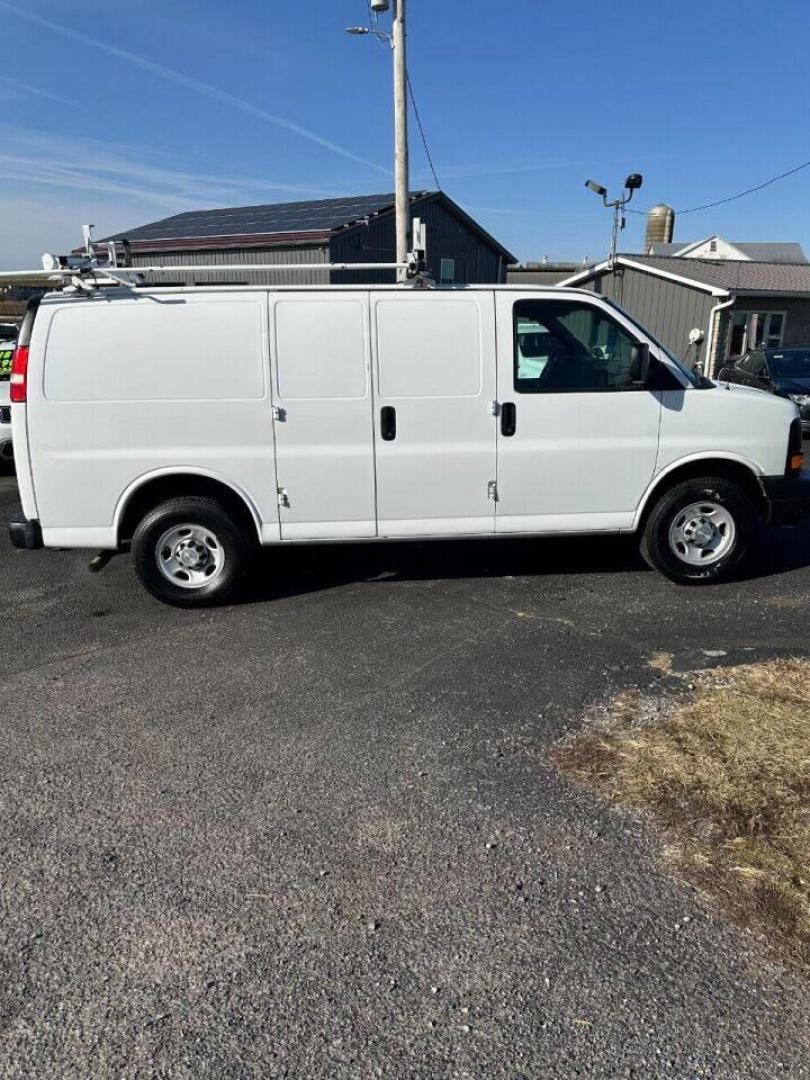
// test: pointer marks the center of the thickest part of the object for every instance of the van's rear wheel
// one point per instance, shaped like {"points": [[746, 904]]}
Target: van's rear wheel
{"points": [[189, 552], [699, 531]]}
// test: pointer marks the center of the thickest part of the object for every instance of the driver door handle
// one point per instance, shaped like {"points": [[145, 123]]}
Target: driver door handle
{"points": [[508, 418], [388, 423]]}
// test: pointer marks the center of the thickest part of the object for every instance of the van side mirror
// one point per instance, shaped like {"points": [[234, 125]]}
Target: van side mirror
{"points": [[640, 363]]}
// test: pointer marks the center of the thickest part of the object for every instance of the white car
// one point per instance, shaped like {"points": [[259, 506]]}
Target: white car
{"points": [[191, 425], [8, 335]]}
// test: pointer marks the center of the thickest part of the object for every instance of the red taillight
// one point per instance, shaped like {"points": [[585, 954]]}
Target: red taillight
{"points": [[19, 374]]}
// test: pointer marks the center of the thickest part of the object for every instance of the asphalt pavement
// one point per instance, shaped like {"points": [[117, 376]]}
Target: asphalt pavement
{"points": [[317, 834]]}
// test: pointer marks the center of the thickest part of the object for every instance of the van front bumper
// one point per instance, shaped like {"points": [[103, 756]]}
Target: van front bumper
{"points": [[24, 533], [788, 498]]}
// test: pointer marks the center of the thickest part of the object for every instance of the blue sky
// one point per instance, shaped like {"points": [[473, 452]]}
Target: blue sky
{"points": [[131, 112]]}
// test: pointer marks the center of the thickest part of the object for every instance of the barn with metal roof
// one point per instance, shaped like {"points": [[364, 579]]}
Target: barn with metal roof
{"points": [[358, 228]]}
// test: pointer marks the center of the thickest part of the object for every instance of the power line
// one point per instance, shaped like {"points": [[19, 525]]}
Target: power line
{"points": [[739, 195], [422, 132]]}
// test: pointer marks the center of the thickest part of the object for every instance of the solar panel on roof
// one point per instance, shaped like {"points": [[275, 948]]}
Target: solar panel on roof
{"points": [[319, 215]]}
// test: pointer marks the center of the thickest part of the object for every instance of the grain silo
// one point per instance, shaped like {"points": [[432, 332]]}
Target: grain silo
{"points": [[660, 226]]}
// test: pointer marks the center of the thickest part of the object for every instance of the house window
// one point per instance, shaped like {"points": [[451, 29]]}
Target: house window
{"points": [[755, 330], [447, 271], [773, 337]]}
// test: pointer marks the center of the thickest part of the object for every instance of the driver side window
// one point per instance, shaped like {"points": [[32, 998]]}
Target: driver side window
{"points": [[567, 346]]}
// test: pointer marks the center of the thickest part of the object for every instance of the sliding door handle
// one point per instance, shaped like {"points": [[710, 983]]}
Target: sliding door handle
{"points": [[508, 418], [388, 423]]}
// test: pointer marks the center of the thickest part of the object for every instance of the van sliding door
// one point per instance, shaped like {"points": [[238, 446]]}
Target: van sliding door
{"points": [[435, 430], [319, 354]]}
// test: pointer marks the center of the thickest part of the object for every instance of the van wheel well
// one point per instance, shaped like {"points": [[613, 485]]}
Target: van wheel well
{"points": [[156, 491], [728, 470]]}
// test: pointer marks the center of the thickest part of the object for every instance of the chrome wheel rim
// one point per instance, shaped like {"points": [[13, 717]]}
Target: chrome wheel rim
{"points": [[702, 533], [190, 556]]}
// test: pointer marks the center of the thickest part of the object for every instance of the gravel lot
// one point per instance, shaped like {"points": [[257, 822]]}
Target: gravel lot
{"points": [[317, 834]]}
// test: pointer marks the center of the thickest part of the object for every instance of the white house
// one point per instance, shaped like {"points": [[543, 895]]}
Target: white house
{"points": [[717, 247]]}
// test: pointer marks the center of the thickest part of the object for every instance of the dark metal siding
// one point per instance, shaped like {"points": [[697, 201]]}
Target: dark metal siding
{"points": [[275, 255], [447, 238], [668, 309], [372, 242]]}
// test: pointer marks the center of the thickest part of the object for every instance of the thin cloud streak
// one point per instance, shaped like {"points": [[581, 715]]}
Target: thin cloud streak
{"points": [[195, 85], [126, 158], [90, 165], [73, 182], [35, 91], [526, 165], [33, 171]]}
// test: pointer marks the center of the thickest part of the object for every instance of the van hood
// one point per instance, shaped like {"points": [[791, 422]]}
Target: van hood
{"points": [[750, 397], [738, 390], [748, 425]]}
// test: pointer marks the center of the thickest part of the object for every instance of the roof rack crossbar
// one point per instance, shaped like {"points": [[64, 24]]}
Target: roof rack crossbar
{"points": [[88, 270], [263, 268], [202, 268]]}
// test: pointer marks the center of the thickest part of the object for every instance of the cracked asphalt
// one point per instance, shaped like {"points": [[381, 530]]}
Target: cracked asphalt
{"points": [[317, 834]]}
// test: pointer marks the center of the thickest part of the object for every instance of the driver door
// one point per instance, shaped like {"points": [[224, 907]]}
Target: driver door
{"points": [[577, 440]]}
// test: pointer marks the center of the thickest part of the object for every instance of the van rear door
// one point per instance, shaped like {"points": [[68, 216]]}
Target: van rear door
{"points": [[129, 384], [435, 438], [319, 352]]}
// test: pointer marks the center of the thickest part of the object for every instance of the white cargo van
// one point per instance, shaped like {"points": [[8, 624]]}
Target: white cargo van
{"points": [[192, 424]]}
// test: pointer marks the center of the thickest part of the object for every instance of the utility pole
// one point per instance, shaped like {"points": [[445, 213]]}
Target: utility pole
{"points": [[403, 208], [618, 224], [396, 41]]}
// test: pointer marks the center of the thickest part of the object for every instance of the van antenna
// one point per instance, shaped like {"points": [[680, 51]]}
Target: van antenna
{"points": [[87, 240]]}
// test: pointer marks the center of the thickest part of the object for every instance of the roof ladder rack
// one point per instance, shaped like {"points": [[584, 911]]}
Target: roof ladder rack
{"points": [[86, 272]]}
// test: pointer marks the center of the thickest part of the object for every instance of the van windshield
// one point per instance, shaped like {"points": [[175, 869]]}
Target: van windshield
{"points": [[685, 370]]}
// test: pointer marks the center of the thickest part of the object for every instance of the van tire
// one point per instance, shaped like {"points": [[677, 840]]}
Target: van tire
{"points": [[197, 529], [707, 518]]}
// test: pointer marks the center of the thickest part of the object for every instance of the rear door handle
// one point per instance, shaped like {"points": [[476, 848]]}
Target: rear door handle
{"points": [[388, 423], [508, 418]]}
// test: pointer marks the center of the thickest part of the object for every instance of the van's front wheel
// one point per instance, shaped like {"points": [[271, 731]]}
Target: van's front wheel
{"points": [[189, 552], [699, 531]]}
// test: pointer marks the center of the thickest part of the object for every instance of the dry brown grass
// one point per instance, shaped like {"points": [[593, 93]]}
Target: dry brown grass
{"points": [[726, 774]]}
